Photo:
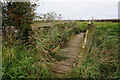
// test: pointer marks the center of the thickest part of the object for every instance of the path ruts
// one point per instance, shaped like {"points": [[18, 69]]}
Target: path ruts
{"points": [[65, 66]]}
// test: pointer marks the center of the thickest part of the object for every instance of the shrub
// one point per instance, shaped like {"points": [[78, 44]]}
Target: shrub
{"points": [[20, 17]]}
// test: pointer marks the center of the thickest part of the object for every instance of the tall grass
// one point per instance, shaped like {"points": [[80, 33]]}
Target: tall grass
{"points": [[25, 61], [102, 60]]}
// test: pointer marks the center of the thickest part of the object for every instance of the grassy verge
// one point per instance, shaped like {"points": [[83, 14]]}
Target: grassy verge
{"points": [[102, 60], [25, 61]]}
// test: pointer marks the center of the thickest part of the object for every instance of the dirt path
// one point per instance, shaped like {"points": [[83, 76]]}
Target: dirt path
{"points": [[65, 66]]}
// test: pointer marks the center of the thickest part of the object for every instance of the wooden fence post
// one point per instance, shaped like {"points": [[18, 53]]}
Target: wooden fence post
{"points": [[88, 39]]}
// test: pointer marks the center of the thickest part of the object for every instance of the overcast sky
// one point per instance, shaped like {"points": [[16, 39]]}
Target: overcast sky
{"points": [[80, 9]]}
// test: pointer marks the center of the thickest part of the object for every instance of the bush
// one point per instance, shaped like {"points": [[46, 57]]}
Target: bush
{"points": [[20, 17]]}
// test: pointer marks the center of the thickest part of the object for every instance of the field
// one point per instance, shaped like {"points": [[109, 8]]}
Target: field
{"points": [[102, 60], [36, 60]]}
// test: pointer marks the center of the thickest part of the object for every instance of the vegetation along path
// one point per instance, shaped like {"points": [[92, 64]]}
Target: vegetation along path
{"points": [[63, 67]]}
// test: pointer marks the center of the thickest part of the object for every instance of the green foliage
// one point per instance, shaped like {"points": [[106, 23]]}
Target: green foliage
{"points": [[26, 61], [49, 17], [20, 17], [49, 39], [18, 62], [54, 36], [82, 26], [60, 25], [15, 62], [60, 55], [102, 61]]}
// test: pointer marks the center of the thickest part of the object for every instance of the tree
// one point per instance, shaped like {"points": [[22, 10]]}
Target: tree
{"points": [[59, 17], [20, 15], [51, 16]]}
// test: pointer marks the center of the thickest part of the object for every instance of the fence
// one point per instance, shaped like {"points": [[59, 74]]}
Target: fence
{"points": [[88, 39]]}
